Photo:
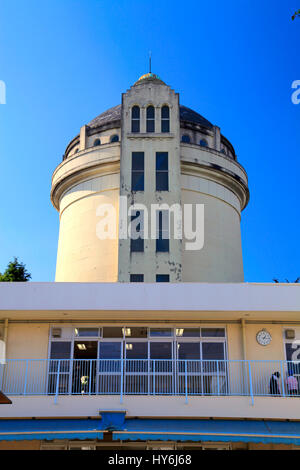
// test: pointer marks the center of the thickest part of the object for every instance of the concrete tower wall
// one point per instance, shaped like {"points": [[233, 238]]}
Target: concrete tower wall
{"points": [[91, 176]]}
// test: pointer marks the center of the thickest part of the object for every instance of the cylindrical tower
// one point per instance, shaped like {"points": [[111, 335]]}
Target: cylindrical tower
{"points": [[149, 151]]}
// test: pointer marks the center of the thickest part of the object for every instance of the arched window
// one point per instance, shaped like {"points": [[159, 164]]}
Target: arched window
{"points": [[114, 138], [97, 142], [203, 143], [135, 119], [186, 138], [150, 122], [165, 119], [223, 151]]}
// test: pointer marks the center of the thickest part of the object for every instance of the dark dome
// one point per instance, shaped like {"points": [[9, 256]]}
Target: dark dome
{"points": [[114, 114]]}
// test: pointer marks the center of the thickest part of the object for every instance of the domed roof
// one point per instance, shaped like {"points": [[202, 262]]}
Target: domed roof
{"points": [[149, 77], [114, 114]]}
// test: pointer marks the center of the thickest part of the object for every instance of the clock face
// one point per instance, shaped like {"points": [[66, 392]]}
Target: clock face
{"points": [[263, 337]]}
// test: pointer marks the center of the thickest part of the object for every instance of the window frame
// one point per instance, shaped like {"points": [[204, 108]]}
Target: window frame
{"points": [[150, 121], [136, 120], [165, 119]]}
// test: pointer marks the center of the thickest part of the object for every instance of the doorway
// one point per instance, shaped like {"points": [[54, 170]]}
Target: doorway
{"points": [[84, 378]]}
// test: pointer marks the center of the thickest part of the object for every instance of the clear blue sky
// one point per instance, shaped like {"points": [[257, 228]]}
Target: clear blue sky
{"points": [[66, 61]]}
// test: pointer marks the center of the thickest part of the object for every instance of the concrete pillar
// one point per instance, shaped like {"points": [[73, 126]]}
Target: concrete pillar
{"points": [[217, 138], [82, 145]]}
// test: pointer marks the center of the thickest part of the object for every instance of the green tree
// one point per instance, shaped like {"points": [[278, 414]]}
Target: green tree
{"points": [[297, 13], [15, 272]]}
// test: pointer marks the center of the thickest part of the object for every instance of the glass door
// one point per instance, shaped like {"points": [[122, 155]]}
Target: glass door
{"points": [[84, 367], [214, 368], [162, 367], [189, 368], [110, 367], [136, 367], [59, 365]]}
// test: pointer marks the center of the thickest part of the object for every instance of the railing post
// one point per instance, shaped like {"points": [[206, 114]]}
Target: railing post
{"points": [[26, 374], [57, 382], [122, 371], [218, 378], [90, 377], [282, 380], [153, 376], [250, 383], [186, 389]]}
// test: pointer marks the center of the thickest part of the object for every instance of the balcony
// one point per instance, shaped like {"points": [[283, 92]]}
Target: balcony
{"points": [[138, 377]]}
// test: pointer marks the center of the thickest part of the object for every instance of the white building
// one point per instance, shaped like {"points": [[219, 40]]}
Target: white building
{"points": [[191, 360]]}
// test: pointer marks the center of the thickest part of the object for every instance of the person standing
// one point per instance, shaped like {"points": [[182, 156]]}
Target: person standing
{"points": [[274, 384], [292, 384]]}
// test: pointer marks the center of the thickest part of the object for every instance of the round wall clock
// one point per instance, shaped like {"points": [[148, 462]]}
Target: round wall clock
{"points": [[263, 337]]}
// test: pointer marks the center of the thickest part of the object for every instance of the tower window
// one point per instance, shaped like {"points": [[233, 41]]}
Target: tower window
{"points": [[162, 278], [162, 171], [165, 119], [137, 171], [114, 138], [136, 277], [137, 232], [186, 138], [150, 124], [203, 143], [97, 142], [135, 119], [162, 231]]}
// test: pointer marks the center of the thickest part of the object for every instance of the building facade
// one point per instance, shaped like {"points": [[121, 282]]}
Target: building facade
{"points": [[148, 342], [150, 151]]}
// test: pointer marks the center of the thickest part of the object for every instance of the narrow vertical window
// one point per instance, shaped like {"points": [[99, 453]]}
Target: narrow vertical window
{"points": [[135, 119], [150, 125], [137, 232], [162, 171], [162, 231], [137, 171], [165, 119]]}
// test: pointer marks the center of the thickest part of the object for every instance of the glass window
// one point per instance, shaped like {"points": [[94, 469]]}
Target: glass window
{"points": [[203, 143], [137, 171], [160, 350], [162, 231], [137, 232], [114, 138], [136, 332], [150, 122], [213, 332], [188, 332], [135, 119], [112, 332], [136, 350], [136, 277], [158, 332], [162, 278], [85, 349], [110, 350], [213, 351], [60, 350], [86, 332], [97, 142], [162, 171], [293, 355], [186, 138], [188, 351], [165, 119]]}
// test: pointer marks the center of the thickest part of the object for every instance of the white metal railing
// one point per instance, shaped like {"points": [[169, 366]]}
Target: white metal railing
{"points": [[149, 377]]}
